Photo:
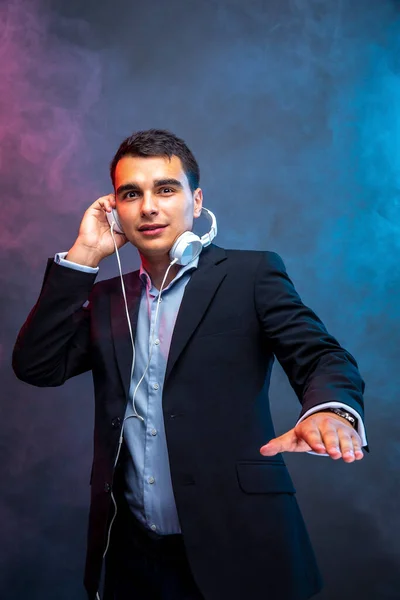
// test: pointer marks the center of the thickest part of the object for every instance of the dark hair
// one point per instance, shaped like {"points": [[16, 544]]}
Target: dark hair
{"points": [[158, 142]]}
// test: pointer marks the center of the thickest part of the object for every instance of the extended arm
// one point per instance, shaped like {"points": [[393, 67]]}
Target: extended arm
{"points": [[321, 372]]}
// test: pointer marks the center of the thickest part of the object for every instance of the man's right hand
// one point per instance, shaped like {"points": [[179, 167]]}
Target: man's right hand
{"points": [[94, 241]]}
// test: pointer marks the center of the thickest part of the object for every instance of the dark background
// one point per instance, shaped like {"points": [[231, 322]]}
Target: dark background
{"points": [[292, 110]]}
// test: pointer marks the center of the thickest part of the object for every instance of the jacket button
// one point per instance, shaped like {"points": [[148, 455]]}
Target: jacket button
{"points": [[107, 487], [116, 423]]}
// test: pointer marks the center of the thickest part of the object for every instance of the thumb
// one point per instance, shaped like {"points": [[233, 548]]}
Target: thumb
{"points": [[283, 443]]}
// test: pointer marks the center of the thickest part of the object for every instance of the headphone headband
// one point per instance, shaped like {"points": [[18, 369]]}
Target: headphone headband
{"points": [[207, 238]]}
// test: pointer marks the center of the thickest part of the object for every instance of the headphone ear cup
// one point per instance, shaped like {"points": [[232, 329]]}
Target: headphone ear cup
{"points": [[186, 248], [112, 217]]}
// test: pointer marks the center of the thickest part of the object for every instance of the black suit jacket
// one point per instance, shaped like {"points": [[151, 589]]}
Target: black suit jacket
{"points": [[243, 530]]}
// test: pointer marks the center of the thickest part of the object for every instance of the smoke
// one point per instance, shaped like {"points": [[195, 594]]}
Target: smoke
{"points": [[291, 108], [48, 86]]}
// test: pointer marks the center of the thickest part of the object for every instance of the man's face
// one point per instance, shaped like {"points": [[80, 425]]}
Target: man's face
{"points": [[154, 191]]}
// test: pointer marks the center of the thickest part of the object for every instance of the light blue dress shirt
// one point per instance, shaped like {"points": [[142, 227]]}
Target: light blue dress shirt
{"points": [[148, 476], [149, 488]]}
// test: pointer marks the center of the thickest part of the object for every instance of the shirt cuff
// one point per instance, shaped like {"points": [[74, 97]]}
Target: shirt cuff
{"points": [[59, 258], [350, 409]]}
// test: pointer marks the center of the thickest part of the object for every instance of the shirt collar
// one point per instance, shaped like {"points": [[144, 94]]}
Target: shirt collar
{"points": [[146, 279]]}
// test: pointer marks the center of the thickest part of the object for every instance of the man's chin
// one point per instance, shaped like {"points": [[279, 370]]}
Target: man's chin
{"points": [[153, 248]]}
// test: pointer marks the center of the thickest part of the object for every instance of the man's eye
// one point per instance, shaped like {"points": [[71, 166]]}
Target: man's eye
{"points": [[168, 190], [129, 195]]}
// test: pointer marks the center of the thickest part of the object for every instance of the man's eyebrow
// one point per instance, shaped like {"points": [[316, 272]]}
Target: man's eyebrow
{"points": [[128, 187], [134, 187], [173, 182]]}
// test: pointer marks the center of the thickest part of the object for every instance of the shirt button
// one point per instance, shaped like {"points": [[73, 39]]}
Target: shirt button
{"points": [[157, 342], [153, 431], [155, 386], [151, 480], [153, 527]]}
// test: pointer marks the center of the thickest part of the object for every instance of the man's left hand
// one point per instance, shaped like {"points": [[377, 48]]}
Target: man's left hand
{"points": [[322, 432]]}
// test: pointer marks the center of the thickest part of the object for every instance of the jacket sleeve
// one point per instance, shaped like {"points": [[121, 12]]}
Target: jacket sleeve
{"points": [[54, 342], [318, 368]]}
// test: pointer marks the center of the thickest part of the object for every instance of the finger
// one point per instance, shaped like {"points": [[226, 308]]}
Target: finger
{"points": [[111, 200], [331, 440], [105, 203], [312, 436], [102, 203], [346, 445], [357, 445]]}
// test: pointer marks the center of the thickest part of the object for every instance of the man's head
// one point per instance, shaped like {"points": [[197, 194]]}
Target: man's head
{"points": [[156, 179]]}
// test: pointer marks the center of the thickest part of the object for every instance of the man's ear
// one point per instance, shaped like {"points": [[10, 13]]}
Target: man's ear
{"points": [[198, 202]]}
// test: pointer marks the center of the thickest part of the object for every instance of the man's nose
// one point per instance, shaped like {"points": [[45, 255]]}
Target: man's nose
{"points": [[149, 204]]}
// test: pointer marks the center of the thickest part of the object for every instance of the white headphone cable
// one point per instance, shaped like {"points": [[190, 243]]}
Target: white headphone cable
{"points": [[121, 437], [132, 369], [127, 313]]}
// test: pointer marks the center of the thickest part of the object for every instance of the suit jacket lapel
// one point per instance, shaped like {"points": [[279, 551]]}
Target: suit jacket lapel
{"points": [[119, 324], [198, 294]]}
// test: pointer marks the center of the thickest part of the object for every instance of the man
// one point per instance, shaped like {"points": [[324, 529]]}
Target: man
{"points": [[205, 506]]}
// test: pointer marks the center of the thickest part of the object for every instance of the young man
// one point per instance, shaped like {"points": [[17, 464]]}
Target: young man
{"points": [[206, 507]]}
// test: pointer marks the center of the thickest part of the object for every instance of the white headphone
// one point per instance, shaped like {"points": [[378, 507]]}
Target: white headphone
{"points": [[187, 246]]}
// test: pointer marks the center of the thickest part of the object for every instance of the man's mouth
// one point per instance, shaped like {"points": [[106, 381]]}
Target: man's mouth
{"points": [[152, 229], [151, 226]]}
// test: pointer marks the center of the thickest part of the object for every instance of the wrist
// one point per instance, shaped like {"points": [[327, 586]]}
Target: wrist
{"points": [[82, 255], [343, 415]]}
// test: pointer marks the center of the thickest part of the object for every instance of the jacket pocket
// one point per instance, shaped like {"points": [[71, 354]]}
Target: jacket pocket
{"points": [[256, 477]]}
